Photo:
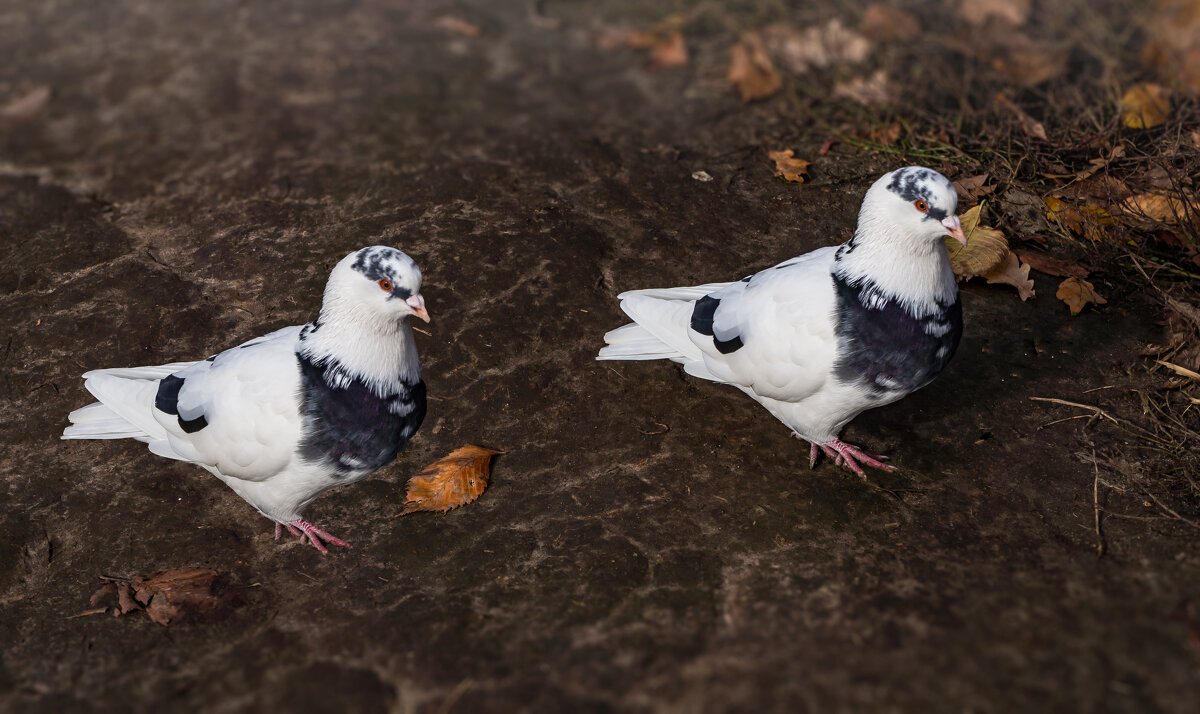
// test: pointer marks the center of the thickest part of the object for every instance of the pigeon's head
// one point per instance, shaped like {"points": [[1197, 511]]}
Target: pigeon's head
{"points": [[383, 280], [919, 200]]}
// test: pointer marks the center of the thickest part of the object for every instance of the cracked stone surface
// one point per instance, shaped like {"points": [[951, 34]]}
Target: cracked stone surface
{"points": [[649, 542]]}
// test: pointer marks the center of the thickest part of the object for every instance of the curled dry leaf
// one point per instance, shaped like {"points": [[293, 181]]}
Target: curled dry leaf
{"points": [[1012, 272], [455, 480], [172, 597], [1076, 293], [986, 247], [1145, 106], [788, 167], [751, 70]]}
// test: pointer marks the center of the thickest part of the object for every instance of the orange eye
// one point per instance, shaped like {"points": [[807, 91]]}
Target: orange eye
{"points": [[386, 284], [921, 205]]}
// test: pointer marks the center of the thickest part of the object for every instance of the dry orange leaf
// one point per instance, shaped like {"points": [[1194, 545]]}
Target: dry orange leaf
{"points": [[788, 167], [751, 70], [985, 250], [1145, 106], [1083, 219], [1160, 207], [1077, 292], [452, 481], [1012, 272]]}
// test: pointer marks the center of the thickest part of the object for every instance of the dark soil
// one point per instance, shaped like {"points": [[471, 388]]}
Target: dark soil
{"points": [[649, 542]]}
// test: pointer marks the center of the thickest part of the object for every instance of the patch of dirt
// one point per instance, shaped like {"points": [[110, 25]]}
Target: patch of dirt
{"points": [[648, 542]]}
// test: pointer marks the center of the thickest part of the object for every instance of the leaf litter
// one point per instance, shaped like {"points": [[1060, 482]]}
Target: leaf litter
{"points": [[171, 597]]}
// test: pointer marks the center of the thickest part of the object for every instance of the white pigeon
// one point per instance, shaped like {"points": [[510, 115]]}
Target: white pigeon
{"points": [[287, 416], [820, 338]]}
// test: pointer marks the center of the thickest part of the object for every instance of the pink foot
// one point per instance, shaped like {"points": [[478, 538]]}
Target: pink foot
{"points": [[847, 455], [311, 533]]}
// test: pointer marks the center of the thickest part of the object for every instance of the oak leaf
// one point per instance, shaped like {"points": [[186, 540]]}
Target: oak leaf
{"points": [[985, 250], [1076, 293], [452, 481], [1012, 272], [751, 70], [1145, 106], [789, 167]]}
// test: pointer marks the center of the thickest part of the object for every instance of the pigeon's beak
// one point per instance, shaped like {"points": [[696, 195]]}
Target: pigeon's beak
{"points": [[417, 303], [954, 228]]}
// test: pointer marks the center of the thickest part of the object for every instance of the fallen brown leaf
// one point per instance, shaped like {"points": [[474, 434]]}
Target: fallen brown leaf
{"points": [[455, 480], [171, 597], [1087, 220], [1145, 106], [1076, 293], [1162, 208], [751, 70], [985, 250], [972, 188], [1050, 265], [788, 167], [1012, 272]]}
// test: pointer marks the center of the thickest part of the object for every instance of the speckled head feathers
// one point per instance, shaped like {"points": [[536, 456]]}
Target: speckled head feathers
{"points": [[915, 199]]}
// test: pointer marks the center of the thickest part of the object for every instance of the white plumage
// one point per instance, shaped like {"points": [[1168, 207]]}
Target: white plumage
{"points": [[286, 416], [820, 338]]}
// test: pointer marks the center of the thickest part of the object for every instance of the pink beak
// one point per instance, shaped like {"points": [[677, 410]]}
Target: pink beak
{"points": [[954, 228], [417, 303]]}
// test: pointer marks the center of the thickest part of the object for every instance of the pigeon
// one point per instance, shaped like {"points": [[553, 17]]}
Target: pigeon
{"points": [[820, 338], [289, 415]]}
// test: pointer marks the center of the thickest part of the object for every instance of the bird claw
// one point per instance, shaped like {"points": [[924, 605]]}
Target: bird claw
{"points": [[311, 534], [848, 455]]}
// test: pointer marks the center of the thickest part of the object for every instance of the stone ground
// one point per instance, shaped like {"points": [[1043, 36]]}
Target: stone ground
{"points": [[649, 542]]}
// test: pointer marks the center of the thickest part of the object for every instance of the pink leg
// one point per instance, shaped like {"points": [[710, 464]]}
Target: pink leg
{"points": [[844, 454], [291, 529], [306, 530], [849, 454]]}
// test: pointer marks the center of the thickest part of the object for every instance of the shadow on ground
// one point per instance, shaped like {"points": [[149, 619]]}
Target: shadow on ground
{"points": [[649, 542]]}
